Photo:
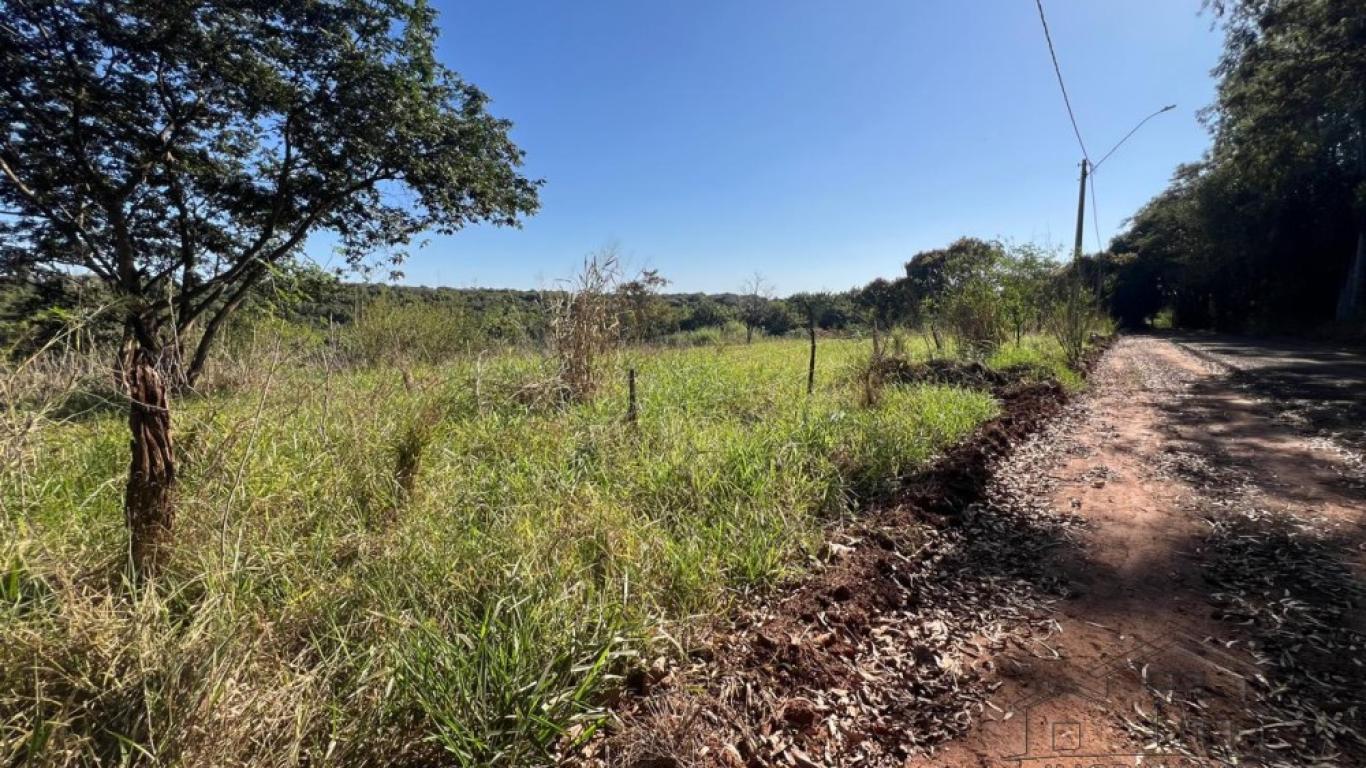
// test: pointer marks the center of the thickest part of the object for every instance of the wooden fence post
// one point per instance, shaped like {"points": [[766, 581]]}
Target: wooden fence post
{"points": [[631, 410], [811, 367]]}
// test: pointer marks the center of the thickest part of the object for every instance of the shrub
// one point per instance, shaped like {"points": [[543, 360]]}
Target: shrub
{"points": [[1073, 319], [732, 332], [973, 314], [392, 332]]}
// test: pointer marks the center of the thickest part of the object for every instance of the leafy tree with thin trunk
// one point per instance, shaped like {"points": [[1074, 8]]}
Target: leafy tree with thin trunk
{"points": [[884, 301], [179, 149], [1025, 277]]}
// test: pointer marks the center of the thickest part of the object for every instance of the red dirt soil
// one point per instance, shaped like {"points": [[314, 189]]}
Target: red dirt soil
{"points": [[1139, 622], [1072, 586]]}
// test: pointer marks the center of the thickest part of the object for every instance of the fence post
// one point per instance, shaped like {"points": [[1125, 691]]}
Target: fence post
{"points": [[631, 410], [479, 383], [811, 367]]}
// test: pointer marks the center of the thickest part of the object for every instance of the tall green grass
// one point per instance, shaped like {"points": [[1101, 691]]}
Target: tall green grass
{"points": [[1041, 354], [369, 570]]}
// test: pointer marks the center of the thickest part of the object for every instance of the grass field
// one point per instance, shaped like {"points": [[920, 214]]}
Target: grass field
{"points": [[369, 570]]}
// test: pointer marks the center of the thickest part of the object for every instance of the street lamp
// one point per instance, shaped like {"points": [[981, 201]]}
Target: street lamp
{"points": [[1087, 169]]}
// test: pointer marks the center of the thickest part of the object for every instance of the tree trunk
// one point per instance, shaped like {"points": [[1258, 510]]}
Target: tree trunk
{"points": [[749, 333], [148, 505], [1349, 300], [201, 356], [215, 324]]}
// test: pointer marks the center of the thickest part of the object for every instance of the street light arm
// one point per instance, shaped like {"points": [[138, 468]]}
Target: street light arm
{"points": [[1096, 165]]}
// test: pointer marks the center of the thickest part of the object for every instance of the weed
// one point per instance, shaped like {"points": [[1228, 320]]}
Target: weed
{"points": [[584, 323]]}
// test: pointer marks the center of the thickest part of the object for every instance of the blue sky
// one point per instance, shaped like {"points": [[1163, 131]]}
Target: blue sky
{"points": [[821, 143]]}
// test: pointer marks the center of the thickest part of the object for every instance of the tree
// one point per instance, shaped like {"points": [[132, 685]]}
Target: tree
{"points": [[1025, 276], [778, 318], [705, 312], [1268, 231], [1138, 289], [956, 287], [837, 311], [1292, 97], [644, 312], [883, 300], [932, 273], [755, 295], [177, 149]]}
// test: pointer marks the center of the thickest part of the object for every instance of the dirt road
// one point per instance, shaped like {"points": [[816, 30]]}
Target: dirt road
{"points": [[1213, 608], [1168, 573]]}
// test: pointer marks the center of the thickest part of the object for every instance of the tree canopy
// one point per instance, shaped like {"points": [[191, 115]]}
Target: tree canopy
{"points": [[178, 149], [1269, 230]]}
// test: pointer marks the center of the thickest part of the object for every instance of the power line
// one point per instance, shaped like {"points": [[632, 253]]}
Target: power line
{"points": [[1086, 156], [1061, 85]]}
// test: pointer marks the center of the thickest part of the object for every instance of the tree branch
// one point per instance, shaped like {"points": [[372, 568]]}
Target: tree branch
{"points": [[60, 218], [300, 231]]}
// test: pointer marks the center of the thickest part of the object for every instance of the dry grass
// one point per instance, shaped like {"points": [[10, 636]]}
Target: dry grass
{"points": [[584, 324]]}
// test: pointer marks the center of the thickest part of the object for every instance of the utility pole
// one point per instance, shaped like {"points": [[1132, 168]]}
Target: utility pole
{"points": [[1081, 209]]}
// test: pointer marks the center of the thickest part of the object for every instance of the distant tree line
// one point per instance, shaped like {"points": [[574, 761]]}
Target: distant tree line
{"points": [[36, 307], [1268, 230], [973, 289]]}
